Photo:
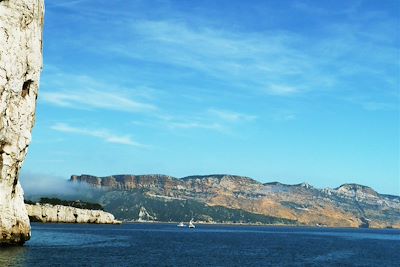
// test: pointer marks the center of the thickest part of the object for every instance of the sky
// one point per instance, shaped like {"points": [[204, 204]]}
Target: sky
{"points": [[289, 91]]}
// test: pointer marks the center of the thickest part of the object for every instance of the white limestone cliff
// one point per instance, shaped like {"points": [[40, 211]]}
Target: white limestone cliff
{"points": [[21, 25], [47, 213]]}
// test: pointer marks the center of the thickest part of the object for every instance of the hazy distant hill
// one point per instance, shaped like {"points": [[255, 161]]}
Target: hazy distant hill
{"points": [[228, 198]]}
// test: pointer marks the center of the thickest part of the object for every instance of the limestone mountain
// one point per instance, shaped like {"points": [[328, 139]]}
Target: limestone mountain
{"points": [[229, 198]]}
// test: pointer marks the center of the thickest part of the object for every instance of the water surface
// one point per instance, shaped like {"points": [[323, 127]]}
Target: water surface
{"points": [[207, 245]]}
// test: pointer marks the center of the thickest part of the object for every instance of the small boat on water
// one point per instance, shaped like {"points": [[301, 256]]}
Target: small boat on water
{"points": [[191, 225], [181, 224]]}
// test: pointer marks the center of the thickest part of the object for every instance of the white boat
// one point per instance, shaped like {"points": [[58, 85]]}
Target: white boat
{"points": [[191, 225], [181, 224]]}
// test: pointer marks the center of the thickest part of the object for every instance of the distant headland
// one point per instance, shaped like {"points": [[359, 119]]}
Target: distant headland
{"points": [[236, 199]]}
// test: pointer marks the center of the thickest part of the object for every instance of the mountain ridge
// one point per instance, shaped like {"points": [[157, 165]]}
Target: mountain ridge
{"points": [[220, 176], [349, 205]]}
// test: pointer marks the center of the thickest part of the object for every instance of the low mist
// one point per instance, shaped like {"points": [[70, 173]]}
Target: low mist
{"points": [[37, 185]]}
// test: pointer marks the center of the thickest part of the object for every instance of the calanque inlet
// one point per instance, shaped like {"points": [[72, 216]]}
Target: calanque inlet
{"points": [[214, 198]]}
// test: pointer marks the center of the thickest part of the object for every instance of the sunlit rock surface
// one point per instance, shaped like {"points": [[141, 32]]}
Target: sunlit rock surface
{"points": [[21, 25], [350, 205], [47, 213], [144, 216]]}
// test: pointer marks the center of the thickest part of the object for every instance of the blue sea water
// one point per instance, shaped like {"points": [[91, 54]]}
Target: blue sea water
{"points": [[207, 245]]}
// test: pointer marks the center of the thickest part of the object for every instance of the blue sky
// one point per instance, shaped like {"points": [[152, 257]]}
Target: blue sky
{"points": [[287, 91]]}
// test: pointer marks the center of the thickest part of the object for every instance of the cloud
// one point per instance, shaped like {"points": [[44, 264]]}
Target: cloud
{"points": [[93, 99], [196, 125], [375, 106], [249, 60], [85, 92], [282, 90], [210, 119], [64, 4], [283, 115], [101, 134], [275, 62], [231, 116], [347, 8]]}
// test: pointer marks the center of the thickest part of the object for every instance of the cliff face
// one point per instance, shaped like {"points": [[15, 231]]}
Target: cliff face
{"points": [[21, 23], [349, 205], [47, 213]]}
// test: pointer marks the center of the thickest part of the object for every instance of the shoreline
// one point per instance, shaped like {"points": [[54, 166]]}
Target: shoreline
{"points": [[262, 225], [223, 224]]}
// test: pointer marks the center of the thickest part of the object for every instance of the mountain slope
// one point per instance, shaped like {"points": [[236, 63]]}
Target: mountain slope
{"points": [[349, 205]]}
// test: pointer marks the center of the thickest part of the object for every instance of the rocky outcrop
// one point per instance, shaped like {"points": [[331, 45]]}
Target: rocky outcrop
{"points": [[21, 24], [144, 216], [350, 205], [47, 213]]}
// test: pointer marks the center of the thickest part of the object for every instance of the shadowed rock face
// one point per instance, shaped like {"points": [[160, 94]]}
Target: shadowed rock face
{"points": [[21, 24]]}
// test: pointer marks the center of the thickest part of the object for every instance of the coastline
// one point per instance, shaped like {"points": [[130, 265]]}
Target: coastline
{"points": [[260, 225], [47, 213]]}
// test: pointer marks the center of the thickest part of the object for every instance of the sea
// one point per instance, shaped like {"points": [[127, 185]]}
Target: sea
{"points": [[154, 244]]}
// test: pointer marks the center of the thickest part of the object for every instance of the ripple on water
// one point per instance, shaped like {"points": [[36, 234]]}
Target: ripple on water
{"points": [[207, 245], [69, 239], [334, 255]]}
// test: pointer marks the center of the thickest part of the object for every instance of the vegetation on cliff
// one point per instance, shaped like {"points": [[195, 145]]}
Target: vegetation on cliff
{"points": [[126, 205], [76, 204]]}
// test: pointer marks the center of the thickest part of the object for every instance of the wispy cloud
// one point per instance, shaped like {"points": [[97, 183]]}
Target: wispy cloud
{"points": [[243, 59], [283, 115], [219, 120], [65, 3], [196, 125], [102, 134], [189, 122], [93, 99], [373, 104], [282, 90], [85, 92], [231, 116], [348, 9], [278, 63]]}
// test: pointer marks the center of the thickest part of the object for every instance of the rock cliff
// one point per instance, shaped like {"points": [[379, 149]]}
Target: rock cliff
{"points": [[350, 205], [47, 213], [21, 24]]}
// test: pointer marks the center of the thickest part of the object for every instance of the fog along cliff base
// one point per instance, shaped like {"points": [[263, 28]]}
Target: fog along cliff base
{"points": [[228, 198], [21, 25]]}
